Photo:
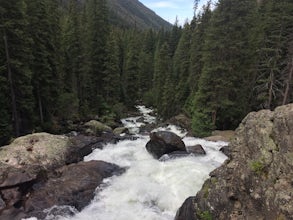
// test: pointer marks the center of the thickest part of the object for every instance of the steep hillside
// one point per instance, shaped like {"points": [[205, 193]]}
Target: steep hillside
{"points": [[129, 13]]}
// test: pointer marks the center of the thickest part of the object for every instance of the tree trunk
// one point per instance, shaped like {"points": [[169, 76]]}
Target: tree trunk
{"points": [[271, 89], [288, 83], [40, 107], [15, 117]]}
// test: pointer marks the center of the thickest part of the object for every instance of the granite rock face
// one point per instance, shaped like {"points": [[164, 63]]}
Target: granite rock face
{"points": [[256, 182]]}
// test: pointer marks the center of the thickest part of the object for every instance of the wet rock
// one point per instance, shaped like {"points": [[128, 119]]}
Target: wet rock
{"points": [[169, 138], [164, 142], [140, 119], [2, 204], [226, 150], [12, 214], [256, 182], [196, 149], [81, 146], [174, 155], [76, 185], [187, 210]]}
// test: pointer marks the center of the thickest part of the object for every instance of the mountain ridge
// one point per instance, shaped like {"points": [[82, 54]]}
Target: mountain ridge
{"points": [[133, 13]]}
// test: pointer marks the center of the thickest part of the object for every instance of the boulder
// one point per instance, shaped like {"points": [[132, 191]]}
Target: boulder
{"points": [[94, 127], [196, 149], [31, 159], [41, 149], [174, 155], [225, 136], [226, 150], [180, 120], [256, 181], [164, 142], [76, 186], [120, 130], [169, 138], [47, 151]]}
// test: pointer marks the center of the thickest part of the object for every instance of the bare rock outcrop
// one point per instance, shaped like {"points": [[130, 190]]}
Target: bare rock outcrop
{"points": [[256, 182]]}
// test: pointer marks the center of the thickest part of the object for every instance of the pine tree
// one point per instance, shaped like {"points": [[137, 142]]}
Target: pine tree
{"points": [[43, 21], [163, 89], [96, 36], [222, 100], [111, 79], [199, 26], [181, 69], [274, 59], [146, 63], [131, 72], [16, 68], [72, 61]]}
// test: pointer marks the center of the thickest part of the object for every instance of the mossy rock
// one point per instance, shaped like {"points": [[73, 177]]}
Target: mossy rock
{"points": [[96, 127]]}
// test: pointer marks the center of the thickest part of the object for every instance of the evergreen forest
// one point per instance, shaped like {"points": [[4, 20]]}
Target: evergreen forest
{"points": [[66, 61]]}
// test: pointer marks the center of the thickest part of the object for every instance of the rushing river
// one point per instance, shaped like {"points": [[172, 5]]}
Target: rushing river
{"points": [[149, 189]]}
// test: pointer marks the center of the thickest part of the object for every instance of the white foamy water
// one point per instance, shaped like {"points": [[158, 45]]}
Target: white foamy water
{"points": [[149, 189]]}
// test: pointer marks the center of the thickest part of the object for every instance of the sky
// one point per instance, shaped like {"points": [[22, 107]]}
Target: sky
{"points": [[169, 9]]}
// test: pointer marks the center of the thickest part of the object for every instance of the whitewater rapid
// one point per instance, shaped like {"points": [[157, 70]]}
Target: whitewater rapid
{"points": [[149, 189]]}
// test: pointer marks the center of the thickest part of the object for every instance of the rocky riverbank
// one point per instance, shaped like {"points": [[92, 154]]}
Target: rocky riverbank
{"points": [[33, 165], [256, 182]]}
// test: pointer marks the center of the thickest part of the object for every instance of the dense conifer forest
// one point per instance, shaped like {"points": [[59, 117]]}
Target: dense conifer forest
{"points": [[65, 61]]}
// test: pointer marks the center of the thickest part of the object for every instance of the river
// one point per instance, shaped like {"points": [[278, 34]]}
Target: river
{"points": [[149, 189]]}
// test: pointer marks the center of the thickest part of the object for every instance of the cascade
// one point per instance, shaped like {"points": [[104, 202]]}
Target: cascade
{"points": [[149, 189]]}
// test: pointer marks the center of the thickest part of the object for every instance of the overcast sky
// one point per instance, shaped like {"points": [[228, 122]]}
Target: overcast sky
{"points": [[169, 9]]}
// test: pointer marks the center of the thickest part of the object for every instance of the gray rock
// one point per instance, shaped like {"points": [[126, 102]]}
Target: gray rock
{"points": [[76, 185], [164, 142], [120, 130], [196, 149], [94, 127], [40, 149], [256, 182]]}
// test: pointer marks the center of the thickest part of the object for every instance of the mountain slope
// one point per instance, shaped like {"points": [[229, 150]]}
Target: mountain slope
{"points": [[132, 13]]}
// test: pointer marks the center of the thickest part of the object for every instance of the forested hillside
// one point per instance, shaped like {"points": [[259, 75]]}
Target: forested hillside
{"points": [[67, 62]]}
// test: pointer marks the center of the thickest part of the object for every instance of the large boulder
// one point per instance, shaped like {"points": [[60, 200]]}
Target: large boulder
{"points": [[32, 159], [47, 151], [94, 127], [164, 142], [256, 182], [181, 120], [40, 149], [76, 184]]}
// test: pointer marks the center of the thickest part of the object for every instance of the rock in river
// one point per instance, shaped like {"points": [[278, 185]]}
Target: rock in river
{"points": [[74, 185], [164, 142]]}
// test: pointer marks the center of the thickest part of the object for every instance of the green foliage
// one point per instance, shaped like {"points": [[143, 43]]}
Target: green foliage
{"points": [[202, 124], [68, 106], [257, 167], [204, 215]]}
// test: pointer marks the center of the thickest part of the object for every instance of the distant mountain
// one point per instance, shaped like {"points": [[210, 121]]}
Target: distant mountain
{"points": [[132, 13]]}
